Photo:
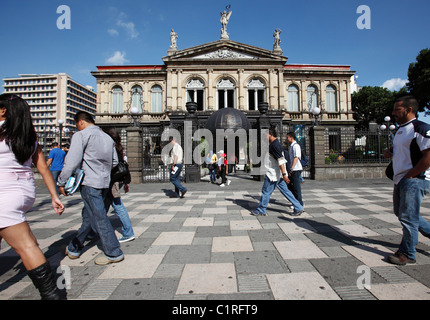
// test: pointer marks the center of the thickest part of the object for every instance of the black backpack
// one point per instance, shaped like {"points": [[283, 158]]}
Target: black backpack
{"points": [[304, 160]]}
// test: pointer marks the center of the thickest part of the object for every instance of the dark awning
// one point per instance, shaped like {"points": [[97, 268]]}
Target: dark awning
{"points": [[228, 118]]}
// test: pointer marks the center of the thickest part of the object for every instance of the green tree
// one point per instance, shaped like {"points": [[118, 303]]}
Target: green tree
{"points": [[372, 104], [419, 80]]}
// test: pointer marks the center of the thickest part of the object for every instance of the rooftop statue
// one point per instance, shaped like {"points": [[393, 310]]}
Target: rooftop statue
{"points": [[225, 16]]}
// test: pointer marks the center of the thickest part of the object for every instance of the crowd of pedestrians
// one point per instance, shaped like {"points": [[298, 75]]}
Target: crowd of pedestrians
{"points": [[98, 151]]}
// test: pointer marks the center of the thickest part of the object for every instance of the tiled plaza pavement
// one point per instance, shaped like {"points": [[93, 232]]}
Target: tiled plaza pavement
{"points": [[208, 246]]}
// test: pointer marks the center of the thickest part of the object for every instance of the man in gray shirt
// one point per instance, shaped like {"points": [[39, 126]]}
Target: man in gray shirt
{"points": [[93, 151]]}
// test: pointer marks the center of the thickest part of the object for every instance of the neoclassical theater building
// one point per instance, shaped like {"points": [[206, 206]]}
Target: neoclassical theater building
{"points": [[223, 74]]}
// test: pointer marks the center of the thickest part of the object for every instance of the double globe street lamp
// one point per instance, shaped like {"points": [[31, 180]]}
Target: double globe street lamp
{"points": [[60, 130]]}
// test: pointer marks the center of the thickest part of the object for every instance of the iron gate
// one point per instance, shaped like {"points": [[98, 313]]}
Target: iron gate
{"points": [[153, 168], [302, 138]]}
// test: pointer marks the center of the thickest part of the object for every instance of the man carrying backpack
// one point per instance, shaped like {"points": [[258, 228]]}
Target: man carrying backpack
{"points": [[295, 166]]}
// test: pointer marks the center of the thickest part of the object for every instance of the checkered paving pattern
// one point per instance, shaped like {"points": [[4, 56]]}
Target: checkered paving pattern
{"points": [[208, 246]]}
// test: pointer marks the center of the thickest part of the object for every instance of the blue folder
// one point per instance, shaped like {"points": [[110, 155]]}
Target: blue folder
{"points": [[74, 182]]}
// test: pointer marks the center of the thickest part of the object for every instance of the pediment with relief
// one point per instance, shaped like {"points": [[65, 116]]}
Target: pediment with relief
{"points": [[224, 50], [225, 54]]}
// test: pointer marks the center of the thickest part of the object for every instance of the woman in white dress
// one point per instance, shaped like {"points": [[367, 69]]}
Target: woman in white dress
{"points": [[18, 150]]}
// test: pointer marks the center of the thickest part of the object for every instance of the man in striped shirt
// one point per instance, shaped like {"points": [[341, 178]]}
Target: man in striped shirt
{"points": [[411, 162]]}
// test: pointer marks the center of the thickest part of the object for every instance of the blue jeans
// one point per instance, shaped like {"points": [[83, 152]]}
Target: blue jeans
{"points": [[407, 197], [55, 175], [121, 212], [267, 190], [94, 217], [212, 175], [175, 179]]}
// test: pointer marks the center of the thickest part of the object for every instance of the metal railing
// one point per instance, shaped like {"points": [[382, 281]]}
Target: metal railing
{"points": [[347, 145]]}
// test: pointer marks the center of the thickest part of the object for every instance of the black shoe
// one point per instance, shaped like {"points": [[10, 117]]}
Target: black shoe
{"points": [[43, 280], [297, 213], [183, 193]]}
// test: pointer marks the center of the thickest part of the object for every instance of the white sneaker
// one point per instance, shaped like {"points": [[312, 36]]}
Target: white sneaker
{"points": [[228, 182], [222, 185], [126, 239]]}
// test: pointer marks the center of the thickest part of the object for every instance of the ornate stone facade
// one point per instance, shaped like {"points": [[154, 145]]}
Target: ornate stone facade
{"points": [[224, 74]]}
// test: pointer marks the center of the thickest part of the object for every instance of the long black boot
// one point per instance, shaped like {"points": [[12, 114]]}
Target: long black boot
{"points": [[44, 281]]}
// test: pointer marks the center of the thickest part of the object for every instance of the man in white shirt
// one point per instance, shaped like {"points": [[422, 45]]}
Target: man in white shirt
{"points": [[177, 156], [276, 176], [295, 170], [411, 162]]}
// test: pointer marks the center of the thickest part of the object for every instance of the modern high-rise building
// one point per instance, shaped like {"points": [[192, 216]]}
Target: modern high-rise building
{"points": [[54, 100]]}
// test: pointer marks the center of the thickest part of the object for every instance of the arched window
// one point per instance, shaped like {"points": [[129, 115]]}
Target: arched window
{"points": [[157, 99], [195, 92], [331, 100], [312, 95], [225, 93], [293, 98], [256, 93], [137, 98], [117, 99]]}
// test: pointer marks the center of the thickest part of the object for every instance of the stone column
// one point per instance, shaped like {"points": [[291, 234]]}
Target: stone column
{"points": [[241, 90], [179, 90], [135, 153], [210, 91], [281, 98], [169, 94], [318, 152]]}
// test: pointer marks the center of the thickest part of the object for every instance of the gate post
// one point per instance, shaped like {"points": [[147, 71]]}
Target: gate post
{"points": [[135, 153], [318, 152]]}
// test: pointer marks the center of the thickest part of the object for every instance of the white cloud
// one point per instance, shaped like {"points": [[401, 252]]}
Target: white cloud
{"points": [[122, 24], [118, 58], [128, 26], [113, 32], [394, 84]]}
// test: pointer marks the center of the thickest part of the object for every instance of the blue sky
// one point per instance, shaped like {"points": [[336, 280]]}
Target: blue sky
{"points": [[138, 33]]}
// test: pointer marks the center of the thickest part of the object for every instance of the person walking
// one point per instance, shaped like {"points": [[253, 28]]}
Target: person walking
{"points": [[94, 152], [114, 195], [411, 162], [212, 165], [177, 155], [18, 150], [222, 168], [56, 161], [276, 176], [295, 170]]}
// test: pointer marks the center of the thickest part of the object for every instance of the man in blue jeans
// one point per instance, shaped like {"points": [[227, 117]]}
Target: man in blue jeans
{"points": [[411, 162], [177, 156], [56, 161], [93, 151], [275, 164]]}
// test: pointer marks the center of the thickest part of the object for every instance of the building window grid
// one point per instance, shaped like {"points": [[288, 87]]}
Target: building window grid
{"points": [[293, 98], [331, 100], [156, 99]]}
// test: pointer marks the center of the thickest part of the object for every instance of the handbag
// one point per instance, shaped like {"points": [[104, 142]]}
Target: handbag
{"points": [[121, 173], [389, 172]]}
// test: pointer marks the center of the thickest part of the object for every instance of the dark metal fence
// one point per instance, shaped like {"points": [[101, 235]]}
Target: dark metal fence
{"points": [[347, 145], [302, 138], [154, 170]]}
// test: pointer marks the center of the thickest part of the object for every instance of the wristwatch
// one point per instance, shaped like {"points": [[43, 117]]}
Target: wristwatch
{"points": [[284, 174]]}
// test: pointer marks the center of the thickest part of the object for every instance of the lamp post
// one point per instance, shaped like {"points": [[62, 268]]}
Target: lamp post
{"points": [[60, 124], [316, 111], [392, 127], [134, 111], [384, 126]]}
